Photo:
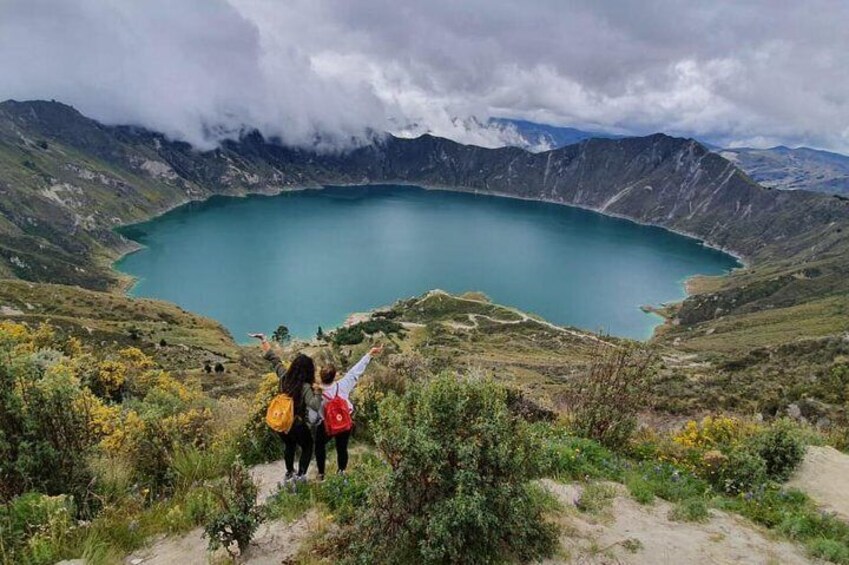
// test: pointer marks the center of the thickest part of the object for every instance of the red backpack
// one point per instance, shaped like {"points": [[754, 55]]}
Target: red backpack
{"points": [[337, 415]]}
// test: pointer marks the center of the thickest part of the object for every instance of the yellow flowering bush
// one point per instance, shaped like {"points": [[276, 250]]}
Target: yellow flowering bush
{"points": [[23, 339], [737, 455], [108, 381], [714, 432], [257, 443], [46, 415]]}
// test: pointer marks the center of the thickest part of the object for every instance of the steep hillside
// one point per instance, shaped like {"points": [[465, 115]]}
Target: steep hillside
{"points": [[67, 181], [182, 341], [794, 169]]}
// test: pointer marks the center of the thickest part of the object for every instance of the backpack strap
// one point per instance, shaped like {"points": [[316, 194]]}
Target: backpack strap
{"points": [[324, 393]]}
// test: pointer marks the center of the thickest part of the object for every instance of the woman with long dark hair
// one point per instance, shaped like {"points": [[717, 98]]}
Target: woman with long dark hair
{"points": [[297, 381]]}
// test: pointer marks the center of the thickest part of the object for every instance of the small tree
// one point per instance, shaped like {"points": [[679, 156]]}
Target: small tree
{"points": [[605, 401], [239, 516], [281, 334]]}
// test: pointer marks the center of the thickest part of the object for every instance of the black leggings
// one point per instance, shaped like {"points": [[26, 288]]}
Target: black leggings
{"points": [[321, 440], [298, 436]]}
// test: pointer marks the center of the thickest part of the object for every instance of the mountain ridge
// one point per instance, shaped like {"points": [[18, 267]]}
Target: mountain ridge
{"points": [[68, 181], [797, 168]]}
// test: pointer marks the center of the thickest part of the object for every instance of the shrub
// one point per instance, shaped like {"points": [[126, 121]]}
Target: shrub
{"points": [[238, 516], [345, 495], [793, 514], [639, 488], [458, 487], [352, 335], [200, 505], [526, 408], [32, 527], [690, 510], [605, 401], [563, 456], [595, 498], [47, 421], [830, 550], [368, 397], [781, 447], [666, 481], [714, 432], [192, 466], [257, 443], [741, 471]]}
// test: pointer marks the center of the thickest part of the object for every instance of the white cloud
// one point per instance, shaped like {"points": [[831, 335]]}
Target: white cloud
{"points": [[730, 71]]}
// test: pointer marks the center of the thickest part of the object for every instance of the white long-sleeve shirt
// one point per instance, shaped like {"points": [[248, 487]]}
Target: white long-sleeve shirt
{"points": [[343, 387]]}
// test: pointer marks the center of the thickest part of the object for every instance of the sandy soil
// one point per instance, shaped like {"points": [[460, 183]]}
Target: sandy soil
{"points": [[824, 476], [275, 542], [659, 540]]}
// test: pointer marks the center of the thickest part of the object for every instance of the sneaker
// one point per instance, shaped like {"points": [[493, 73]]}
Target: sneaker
{"points": [[294, 484], [320, 477]]}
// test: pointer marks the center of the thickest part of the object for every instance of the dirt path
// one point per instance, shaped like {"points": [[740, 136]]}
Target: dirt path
{"points": [[274, 543], [824, 476], [654, 539]]}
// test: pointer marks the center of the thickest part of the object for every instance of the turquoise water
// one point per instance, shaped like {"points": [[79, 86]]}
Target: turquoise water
{"points": [[310, 258]]}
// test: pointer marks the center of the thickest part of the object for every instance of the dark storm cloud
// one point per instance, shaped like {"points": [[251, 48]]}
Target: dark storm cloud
{"points": [[734, 72]]}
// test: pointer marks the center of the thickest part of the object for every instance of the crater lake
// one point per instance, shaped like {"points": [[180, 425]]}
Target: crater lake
{"points": [[310, 258]]}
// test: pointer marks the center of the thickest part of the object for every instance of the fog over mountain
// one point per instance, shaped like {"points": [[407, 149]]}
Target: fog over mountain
{"points": [[331, 71]]}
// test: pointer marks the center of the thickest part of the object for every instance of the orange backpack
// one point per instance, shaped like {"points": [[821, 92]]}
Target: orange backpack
{"points": [[281, 413], [337, 416]]}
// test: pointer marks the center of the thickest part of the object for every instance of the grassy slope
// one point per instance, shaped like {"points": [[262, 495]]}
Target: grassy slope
{"points": [[111, 319], [468, 332]]}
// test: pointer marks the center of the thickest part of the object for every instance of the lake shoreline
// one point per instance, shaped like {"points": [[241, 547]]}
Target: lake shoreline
{"points": [[129, 282]]}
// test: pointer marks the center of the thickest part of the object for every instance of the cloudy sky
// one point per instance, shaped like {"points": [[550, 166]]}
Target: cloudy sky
{"points": [[731, 72]]}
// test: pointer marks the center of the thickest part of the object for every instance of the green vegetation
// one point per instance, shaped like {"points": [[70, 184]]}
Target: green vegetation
{"points": [[792, 514], [102, 435], [690, 510], [159, 455], [458, 486], [595, 498], [453, 465], [281, 334], [356, 333], [239, 516], [606, 400]]}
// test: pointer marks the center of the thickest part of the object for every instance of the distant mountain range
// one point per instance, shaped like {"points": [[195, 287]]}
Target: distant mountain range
{"points": [[792, 169], [541, 137], [777, 167]]}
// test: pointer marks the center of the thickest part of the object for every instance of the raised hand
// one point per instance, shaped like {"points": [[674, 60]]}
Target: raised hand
{"points": [[376, 350]]}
